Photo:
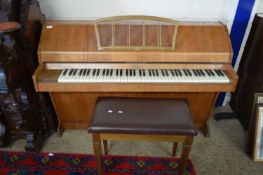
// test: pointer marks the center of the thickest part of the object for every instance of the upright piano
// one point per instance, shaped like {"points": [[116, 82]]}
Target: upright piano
{"points": [[79, 62]]}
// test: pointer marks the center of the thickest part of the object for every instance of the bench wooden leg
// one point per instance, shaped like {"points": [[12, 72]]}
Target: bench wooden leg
{"points": [[97, 152], [175, 145], [105, 147], [185, 153]]}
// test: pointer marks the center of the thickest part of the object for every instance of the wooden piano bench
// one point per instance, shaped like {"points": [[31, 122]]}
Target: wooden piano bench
{"points": [[117, 118]]}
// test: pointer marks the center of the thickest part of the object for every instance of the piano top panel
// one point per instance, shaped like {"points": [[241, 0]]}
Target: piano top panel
{"points": [[76, 42]]}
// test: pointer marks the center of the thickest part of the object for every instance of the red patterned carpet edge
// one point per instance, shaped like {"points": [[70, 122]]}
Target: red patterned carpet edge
{"points": [[23, 163]]}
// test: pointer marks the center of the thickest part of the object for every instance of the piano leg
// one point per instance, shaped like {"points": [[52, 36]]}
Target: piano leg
{"points": [[60, 130], [205, 127], [205, 130]]}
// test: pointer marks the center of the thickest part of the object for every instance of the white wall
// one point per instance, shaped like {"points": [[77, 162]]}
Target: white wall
{"points": [[260, 7], [212, 10]]}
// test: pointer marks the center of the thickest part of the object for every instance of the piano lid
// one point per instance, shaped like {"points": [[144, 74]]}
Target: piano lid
{"points": [[67, 41]]}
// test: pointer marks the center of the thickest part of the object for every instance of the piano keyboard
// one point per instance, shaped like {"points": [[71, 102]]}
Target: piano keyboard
{"points": [[143, 76]]}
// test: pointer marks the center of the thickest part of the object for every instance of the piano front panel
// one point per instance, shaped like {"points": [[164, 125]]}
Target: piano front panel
{"points": [[72, 45], [75, 109]]}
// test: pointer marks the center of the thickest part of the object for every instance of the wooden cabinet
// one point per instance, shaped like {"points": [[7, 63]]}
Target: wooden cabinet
{"points": [[250, 74], [24, 113]]}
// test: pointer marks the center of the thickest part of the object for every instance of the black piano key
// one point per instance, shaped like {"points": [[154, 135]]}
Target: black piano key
{"points": [[189, 72], [104, 72], [150, 72], [208, 72], [111, 72], [156, 72], [98, 72], [94, 72], [121, 72], [199, 73], [195, 73], [80, 72], [185, 72], [107, 72], [88, 72], [202, 72], [172, 72], [218, 74], [153, 72], [175, 72], [65, 72], [134, 72], [140, 72], [84, 72], [179, 72], [212, 73], [166, 72], [143, 72], [117, 72], [70, 72], [163, 73], [74, 72], [221, 72]]}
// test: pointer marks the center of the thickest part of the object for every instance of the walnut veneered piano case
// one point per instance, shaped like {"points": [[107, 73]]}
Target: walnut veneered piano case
{"points": [[132, 56]]}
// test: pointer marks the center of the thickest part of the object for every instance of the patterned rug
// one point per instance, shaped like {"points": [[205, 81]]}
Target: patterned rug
{"points": [[21, 163]]}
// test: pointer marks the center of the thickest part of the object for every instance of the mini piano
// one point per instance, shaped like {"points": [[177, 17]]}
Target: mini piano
{"points": [[132, 56]]}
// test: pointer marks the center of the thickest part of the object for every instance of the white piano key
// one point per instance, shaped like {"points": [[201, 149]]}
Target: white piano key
{"points": [[134, 76]]}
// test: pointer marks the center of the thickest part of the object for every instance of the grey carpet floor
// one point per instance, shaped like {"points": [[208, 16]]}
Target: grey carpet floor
{"points": [[222, 153]]}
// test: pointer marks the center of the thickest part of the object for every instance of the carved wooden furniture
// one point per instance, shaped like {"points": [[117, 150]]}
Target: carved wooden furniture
{"points": [[142, 119], [251, 75], [250, 84], [24, 113], [72, 45]]}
